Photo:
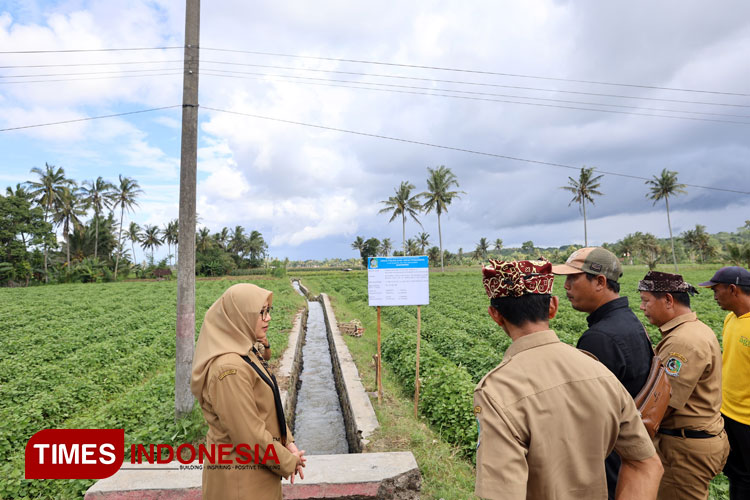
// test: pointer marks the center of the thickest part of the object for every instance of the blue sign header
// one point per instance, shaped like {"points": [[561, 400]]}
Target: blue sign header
{"points": [[398, 262]]}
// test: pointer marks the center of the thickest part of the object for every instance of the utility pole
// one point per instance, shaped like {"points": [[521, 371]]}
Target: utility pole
{"points": [[185, 341]]}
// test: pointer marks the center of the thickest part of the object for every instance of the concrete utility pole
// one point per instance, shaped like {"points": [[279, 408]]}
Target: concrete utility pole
{"points": [[183, 398]]}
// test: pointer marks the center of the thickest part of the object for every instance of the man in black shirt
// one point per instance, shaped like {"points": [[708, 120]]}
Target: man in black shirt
{"points": [[615, 335]]}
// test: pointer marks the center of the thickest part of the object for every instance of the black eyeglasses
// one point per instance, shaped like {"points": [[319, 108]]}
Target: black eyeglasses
{"points": [[266, 311]]}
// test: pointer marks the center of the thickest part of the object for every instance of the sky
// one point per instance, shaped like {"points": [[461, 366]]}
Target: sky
{"points": [[629, 88]]}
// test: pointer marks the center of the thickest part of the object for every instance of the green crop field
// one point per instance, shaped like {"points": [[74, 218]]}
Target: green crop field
{"points": [[460, 343], [99, 356], [102, 356]]}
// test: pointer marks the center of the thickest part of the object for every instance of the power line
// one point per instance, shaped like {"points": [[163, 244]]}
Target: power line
{"points": [[87, 64], [58, 51], [462, 150], [577, 108], [91, 78], [482, 84], [481, 72], [91, 73], [480, 93], [90, 118]]}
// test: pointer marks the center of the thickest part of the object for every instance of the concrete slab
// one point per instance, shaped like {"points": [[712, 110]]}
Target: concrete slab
{"points": [[361, 476]]}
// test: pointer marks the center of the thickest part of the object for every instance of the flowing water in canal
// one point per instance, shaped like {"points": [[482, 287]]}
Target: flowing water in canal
{"points": [[319, 424]]}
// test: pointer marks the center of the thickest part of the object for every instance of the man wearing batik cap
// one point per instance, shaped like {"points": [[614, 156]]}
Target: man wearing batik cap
{"points": [[615, 335], [549, 414], [731, 287], [691, 441]]}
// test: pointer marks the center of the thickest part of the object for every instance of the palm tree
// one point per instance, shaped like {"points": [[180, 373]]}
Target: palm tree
{"points": [[68, 210], [386, 247], [438, 196], [412, 247], [237, 241], [358, 244], [584, 189], [97, 194], [498, 245], [134, 235], [256, 245], [203, 240], [482, 248], [222, 238], [171, 231], [46, 192], [423, 240], [124, 196], [403, 204], [661, 187], [151, 239]]}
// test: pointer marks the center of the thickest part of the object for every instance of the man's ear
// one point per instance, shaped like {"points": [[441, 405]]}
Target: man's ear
{"points": [[601, 280], [669, 300], [554, 303], [496, 316]]}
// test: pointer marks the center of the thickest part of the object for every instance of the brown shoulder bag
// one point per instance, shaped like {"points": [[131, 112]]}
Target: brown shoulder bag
{"points": [[653, 399]]}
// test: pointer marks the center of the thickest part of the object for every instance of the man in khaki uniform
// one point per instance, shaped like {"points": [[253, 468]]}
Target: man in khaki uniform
{"points": [[549, 414], [691, 441]]}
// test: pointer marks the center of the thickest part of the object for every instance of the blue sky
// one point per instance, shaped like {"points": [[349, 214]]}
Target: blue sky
{"points": [[312, 191]]}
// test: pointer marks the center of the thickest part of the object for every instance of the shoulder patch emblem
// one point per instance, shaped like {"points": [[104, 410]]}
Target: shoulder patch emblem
{"points": [[678, 356], [477, 410], [673, 365], [228, 372]]}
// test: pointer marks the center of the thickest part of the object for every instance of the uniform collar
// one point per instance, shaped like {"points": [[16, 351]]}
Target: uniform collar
{"points": [[677, 321], [530, 341]]}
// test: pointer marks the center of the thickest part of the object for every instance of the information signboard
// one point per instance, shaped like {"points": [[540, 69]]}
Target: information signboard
{"points": [[398, 281]]}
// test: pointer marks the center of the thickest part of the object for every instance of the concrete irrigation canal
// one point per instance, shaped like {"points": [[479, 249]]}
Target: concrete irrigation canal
{"points": [[318, 421], [330, 414]]}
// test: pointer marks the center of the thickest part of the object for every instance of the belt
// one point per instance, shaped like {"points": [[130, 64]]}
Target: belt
{"points": [[686, 433]]}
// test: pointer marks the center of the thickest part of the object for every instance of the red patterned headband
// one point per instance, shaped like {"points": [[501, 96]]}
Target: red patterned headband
{"points": [[516, 278]]}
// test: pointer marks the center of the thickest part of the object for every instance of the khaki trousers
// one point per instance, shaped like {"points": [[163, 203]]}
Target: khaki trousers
{"points": [[689, 465]]}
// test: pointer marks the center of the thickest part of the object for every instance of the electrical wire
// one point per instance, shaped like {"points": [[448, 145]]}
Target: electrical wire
{"points": [[92, 73], [502, 101], [433, 89], [87, 64], [59, 51], [481, 72], [451, 148], [90, 118], [92, 78], [381, 75]]}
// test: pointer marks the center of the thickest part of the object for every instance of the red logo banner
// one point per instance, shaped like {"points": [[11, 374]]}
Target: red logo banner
{"points": [[74, 453]]}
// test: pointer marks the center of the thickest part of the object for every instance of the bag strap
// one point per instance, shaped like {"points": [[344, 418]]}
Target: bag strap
{"points": [[276, 396]]}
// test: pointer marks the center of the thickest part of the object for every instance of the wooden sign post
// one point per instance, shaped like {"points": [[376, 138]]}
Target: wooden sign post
{"points": [[416, 380], [378, 368]]}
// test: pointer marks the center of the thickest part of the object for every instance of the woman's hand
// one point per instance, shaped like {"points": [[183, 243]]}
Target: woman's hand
{"points": [[300, 461]]}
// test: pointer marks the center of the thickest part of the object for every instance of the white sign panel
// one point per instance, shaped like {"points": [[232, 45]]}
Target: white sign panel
{"points": [[398, 281]]}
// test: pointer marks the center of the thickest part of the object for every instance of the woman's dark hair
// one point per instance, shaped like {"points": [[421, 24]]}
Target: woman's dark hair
{"points": [[612, 285], [679, 297], [523, 309]]}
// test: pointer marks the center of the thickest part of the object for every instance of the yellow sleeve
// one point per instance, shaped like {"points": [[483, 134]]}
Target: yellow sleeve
{"points": [[502, 470], [233, 401]]}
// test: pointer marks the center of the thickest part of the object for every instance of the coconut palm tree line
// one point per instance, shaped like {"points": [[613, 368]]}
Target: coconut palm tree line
{"points": [[65, 203], [442, 190]]}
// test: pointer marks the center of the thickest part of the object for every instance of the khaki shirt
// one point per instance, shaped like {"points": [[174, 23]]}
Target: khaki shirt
{"points": [[239, 409], [548, 416], [692, 357]]}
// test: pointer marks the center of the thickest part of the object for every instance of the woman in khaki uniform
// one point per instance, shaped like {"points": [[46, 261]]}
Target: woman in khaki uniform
{"points": [[240, 399]]}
